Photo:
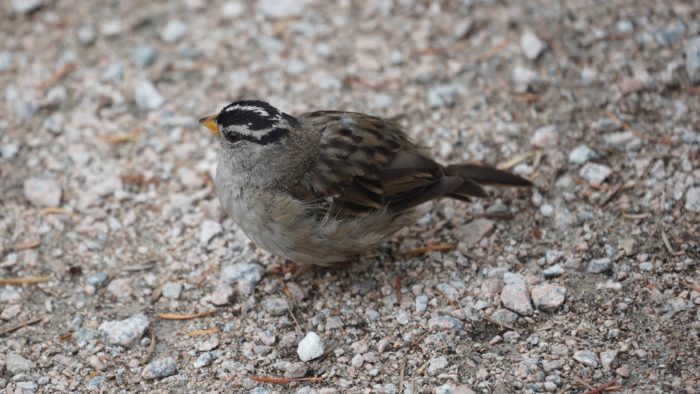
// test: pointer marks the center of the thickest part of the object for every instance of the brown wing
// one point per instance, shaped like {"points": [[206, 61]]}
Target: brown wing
{"points": [[368, 163]]}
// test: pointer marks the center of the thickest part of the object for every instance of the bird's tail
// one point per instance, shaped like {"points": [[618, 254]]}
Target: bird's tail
{"points": [[475, 175]]}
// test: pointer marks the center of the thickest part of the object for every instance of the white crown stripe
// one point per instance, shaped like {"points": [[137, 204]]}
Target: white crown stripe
{"points": [[250, 108]]}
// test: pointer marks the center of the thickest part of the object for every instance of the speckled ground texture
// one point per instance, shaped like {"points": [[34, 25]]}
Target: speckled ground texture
{"points": [[589, 280]]}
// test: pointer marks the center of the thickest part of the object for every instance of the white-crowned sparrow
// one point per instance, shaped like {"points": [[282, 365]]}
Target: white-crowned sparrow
{"points": [[325, 186]]}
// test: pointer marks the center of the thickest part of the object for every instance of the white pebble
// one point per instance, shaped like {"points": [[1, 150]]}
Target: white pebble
{"points": [[310, 347]]}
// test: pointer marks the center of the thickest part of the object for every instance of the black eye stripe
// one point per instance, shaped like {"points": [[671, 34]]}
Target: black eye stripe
{"points": [[271, 136]]}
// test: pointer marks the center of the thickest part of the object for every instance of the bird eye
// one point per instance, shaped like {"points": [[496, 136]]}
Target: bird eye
{"points": [[232, 137]]}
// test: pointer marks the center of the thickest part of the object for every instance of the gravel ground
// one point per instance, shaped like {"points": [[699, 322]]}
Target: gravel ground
{"points": [[121, 272]]}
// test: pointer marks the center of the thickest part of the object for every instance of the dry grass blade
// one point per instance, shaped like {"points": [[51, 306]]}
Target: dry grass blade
{"points": [[667, 243], [27, 280], [439, 247], [151, 347], [15, 327], [199, 333], [121, 138], [268, 379], [601, 388], [177, 316], [397, 287], [515, 160], [58, 75], [56, 211], [27, 245]]}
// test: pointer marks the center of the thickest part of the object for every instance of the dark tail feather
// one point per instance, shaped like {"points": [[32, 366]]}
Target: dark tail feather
{"points": [[486, 175]]}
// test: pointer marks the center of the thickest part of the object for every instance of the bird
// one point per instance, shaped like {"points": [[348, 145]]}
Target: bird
{"points": [[324, 187]]}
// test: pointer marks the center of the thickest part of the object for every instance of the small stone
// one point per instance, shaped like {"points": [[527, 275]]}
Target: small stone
{"points": [[598, 266], [143, 56], [114, 72], [581, 154], [232, 9], [511, 336], [587, 357], [475, 230], [43, 192], [267, 337], [607, 359], [550, 386], [120, 288], [276, 306], [515, 296], [245, 275], [551, 365], [281, 9], [445, 389], [646, 266], [95, 383], [623, 371], [97, 280], [295, 370], [147, 95], [692, 59], [532, 45], [692, 199], [437, 364], [27, 386], [222, 295], [209, 344], [208, 230], [10, 312], [160, 368], [357, 361], [421, 303], [359, 347], [310, 347], [17, 364], [204, 360], [259, 390], [9, 151], [524, 78], [27, 6], [189, 178], [334, 322], [595, 173], [172, 290], [545, 137], [86, 35], [548, 297], [444, 95], [441, 323], [173, 31], [124, 332], [547, 210], [10, 295], [504, 316], [553, 271]]}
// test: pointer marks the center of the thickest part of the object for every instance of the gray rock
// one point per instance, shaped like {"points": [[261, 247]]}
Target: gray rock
{"points": [[598, 266], [267, 337], [692, 199], [295, 370], [281, 9], [671, 35], [692, 59], [208, 345], [607, 359], [43, 192], [259, 390], [85, 336], [172, 290], [444, 95], [504, 316], [10, 295], [147, 95], [581, 154], [97, 280], [160, 368], [16, 364], [357, 361], [276, 306], [27, 6], [525, 78], [245, 275], [595, 173], [204, 360], [27, 386], [208, 230], [441, 323], [96, 382], [545, 137], [548, 297], [5, 60], [532, 45], [10, 312], [86, 35], [474, 231], [445, 389], [587, 358], [173, 31], [553, 271], [421, 303], [9, 151], [437, 364], [232, 9], [124, 332], [310, 347], [551, 365], [114, 72], [143, 56], [515, 296], [223, 294]]}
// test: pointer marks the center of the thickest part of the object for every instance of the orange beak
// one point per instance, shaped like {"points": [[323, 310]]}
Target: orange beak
{"points": [[210, 123]]}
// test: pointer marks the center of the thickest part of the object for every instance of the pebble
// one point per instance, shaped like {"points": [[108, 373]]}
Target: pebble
{"points": [[97, 280], [10, 312], [267, 337], [276, 306], [232, 9], [160, 368], [646, 266], [515, 296], [421, 303], [245, 275], [692, 199], [86, 35], [547, 210], [581, 154], [692, 59], [437, 364], [210, 344], [172, 290], [607, 359], [551, 365], [295, 370], [17, 364], [548, 297], [545, 137], [190, 178], [27, 6], [445, 389], [147, 96], [505, 316], [357, 361], [208, 230], [598, 266], [10, 295], [441, 323], [43, 192], [114, 72], [143, 56], [5, 60], [444, 95], [282, 9], [9, 151], [524, 78], [223, 294], [124, 332], [595, 173], [474, 231], [587, 357], [173, 31], [259, 390], [204, 360], [553, 271], [27, 386], [532, 45], [310, 347]]}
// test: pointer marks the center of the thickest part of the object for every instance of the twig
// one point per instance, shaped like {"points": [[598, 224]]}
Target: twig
{"points": [[401, 374], [27, 280], [397, 287], [56, 211], [440, 247], [151, 346], [693, 286], [27, 245], [515, 160], [177, 316], [17, 326], [198, 333], [58, 75], [637, 133], [121, 138], [268, 379], [600, 389], [140, 267], [498, 323], [664, 237]]}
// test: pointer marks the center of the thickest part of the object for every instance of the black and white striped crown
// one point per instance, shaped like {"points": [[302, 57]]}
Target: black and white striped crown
{"points": [[254, 121]]}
